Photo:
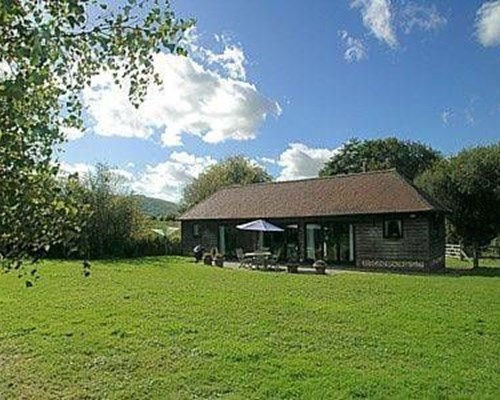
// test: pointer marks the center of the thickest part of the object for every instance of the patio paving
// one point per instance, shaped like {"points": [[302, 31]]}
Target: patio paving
{"points": [[283, 268]]}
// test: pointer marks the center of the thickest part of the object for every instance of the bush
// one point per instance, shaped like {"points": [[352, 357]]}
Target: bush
{"points": [[114, 227]]}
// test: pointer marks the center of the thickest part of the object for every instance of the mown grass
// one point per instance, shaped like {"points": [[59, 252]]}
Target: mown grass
{"points": [[168, 329], [455, 263]]}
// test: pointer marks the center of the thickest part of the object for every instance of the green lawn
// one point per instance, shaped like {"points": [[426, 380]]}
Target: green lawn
{"points": [[169, 329], [454, 263]]}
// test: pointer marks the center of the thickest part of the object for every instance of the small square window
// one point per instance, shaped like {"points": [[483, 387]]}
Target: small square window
{"points": [[393, 228], [196, 230]]}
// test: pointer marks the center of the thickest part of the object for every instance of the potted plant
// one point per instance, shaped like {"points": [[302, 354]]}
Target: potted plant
{"points": [[320, 267], [219, 260], [207, 259]]}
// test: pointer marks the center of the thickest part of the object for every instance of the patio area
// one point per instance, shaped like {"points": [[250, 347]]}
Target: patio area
{"points": [[267, 261]]}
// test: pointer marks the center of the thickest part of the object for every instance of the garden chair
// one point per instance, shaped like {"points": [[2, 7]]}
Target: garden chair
{"points": [[274, 259], [244, 261]]}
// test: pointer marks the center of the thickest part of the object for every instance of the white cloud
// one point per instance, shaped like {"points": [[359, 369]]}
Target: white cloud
{"points": [[488, 24], [382, 18], [111, 111], [355, 50], [267, 160], [71, 133], [377, 17], [167, 179], [127, 176], [164, 180], [81, 169], [470, 118], [299, 161], [215, 105], [232, 60], [446, 117], [418, 16]]}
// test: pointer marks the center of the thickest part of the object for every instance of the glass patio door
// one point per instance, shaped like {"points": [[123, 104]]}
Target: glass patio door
{"points": [[222, 239], [228, 240], [338, 243], [314, 242]]}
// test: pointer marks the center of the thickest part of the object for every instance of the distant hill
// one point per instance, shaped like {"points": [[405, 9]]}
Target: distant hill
{"points": [[156, 207]]}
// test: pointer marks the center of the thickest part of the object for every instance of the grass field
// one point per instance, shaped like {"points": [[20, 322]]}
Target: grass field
{"points": [[169, 329]]}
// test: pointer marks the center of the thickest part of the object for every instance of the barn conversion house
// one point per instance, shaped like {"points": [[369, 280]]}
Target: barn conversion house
{"points": [[373, 219]]}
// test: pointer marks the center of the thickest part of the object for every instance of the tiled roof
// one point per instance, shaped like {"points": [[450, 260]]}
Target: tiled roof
{"points": [[365, 193]]}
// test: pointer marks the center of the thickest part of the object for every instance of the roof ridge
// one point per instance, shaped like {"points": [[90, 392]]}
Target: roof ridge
{"points": [[316, 178]]}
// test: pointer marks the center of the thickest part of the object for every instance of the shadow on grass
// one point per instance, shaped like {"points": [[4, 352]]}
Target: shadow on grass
{"points": [[449, 272], [480, 271], [141, 261]]}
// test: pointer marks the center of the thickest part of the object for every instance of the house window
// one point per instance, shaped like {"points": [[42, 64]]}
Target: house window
{"points": [[393, 228], [196, 230]]}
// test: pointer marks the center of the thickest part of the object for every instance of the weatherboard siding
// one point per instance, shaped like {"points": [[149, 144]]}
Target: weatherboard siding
{"points": [[207, 237], [416, 249]]}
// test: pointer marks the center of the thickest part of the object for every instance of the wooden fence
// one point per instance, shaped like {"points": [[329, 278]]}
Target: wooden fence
{"points": [[456, 251]]}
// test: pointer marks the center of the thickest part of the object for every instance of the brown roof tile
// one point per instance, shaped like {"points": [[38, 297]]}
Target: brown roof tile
{"points": [[366, 193]]}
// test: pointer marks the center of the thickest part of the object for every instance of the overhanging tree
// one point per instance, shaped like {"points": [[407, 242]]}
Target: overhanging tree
{"points": [[49, 50], [411, 158], [469, 184]]}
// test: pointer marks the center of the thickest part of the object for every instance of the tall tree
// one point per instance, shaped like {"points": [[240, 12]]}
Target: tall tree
{"points": [[49, 50], [408, 157], [236, 170], [469, 184], [115, 222]]}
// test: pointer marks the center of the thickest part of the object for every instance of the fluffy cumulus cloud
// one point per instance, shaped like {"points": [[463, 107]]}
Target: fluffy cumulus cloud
{"points": [[81, 169], [215, 104], [167, 179], [378, 19], [164, 180], [299, 161], [232, 60], [488, 24], [419, 16], [355, 50]]}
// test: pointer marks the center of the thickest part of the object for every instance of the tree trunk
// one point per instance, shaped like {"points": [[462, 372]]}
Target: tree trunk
{"points": [[475, 256]]}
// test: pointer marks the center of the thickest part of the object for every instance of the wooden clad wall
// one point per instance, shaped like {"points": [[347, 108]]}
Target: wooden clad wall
{"points": [[208, 238], [412, 250]]}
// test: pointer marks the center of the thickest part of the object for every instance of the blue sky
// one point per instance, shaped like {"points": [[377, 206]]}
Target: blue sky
{"points": [[286, 82]]}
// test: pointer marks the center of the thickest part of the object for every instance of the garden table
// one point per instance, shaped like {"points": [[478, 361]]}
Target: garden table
{"points": [[259, 258]]}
